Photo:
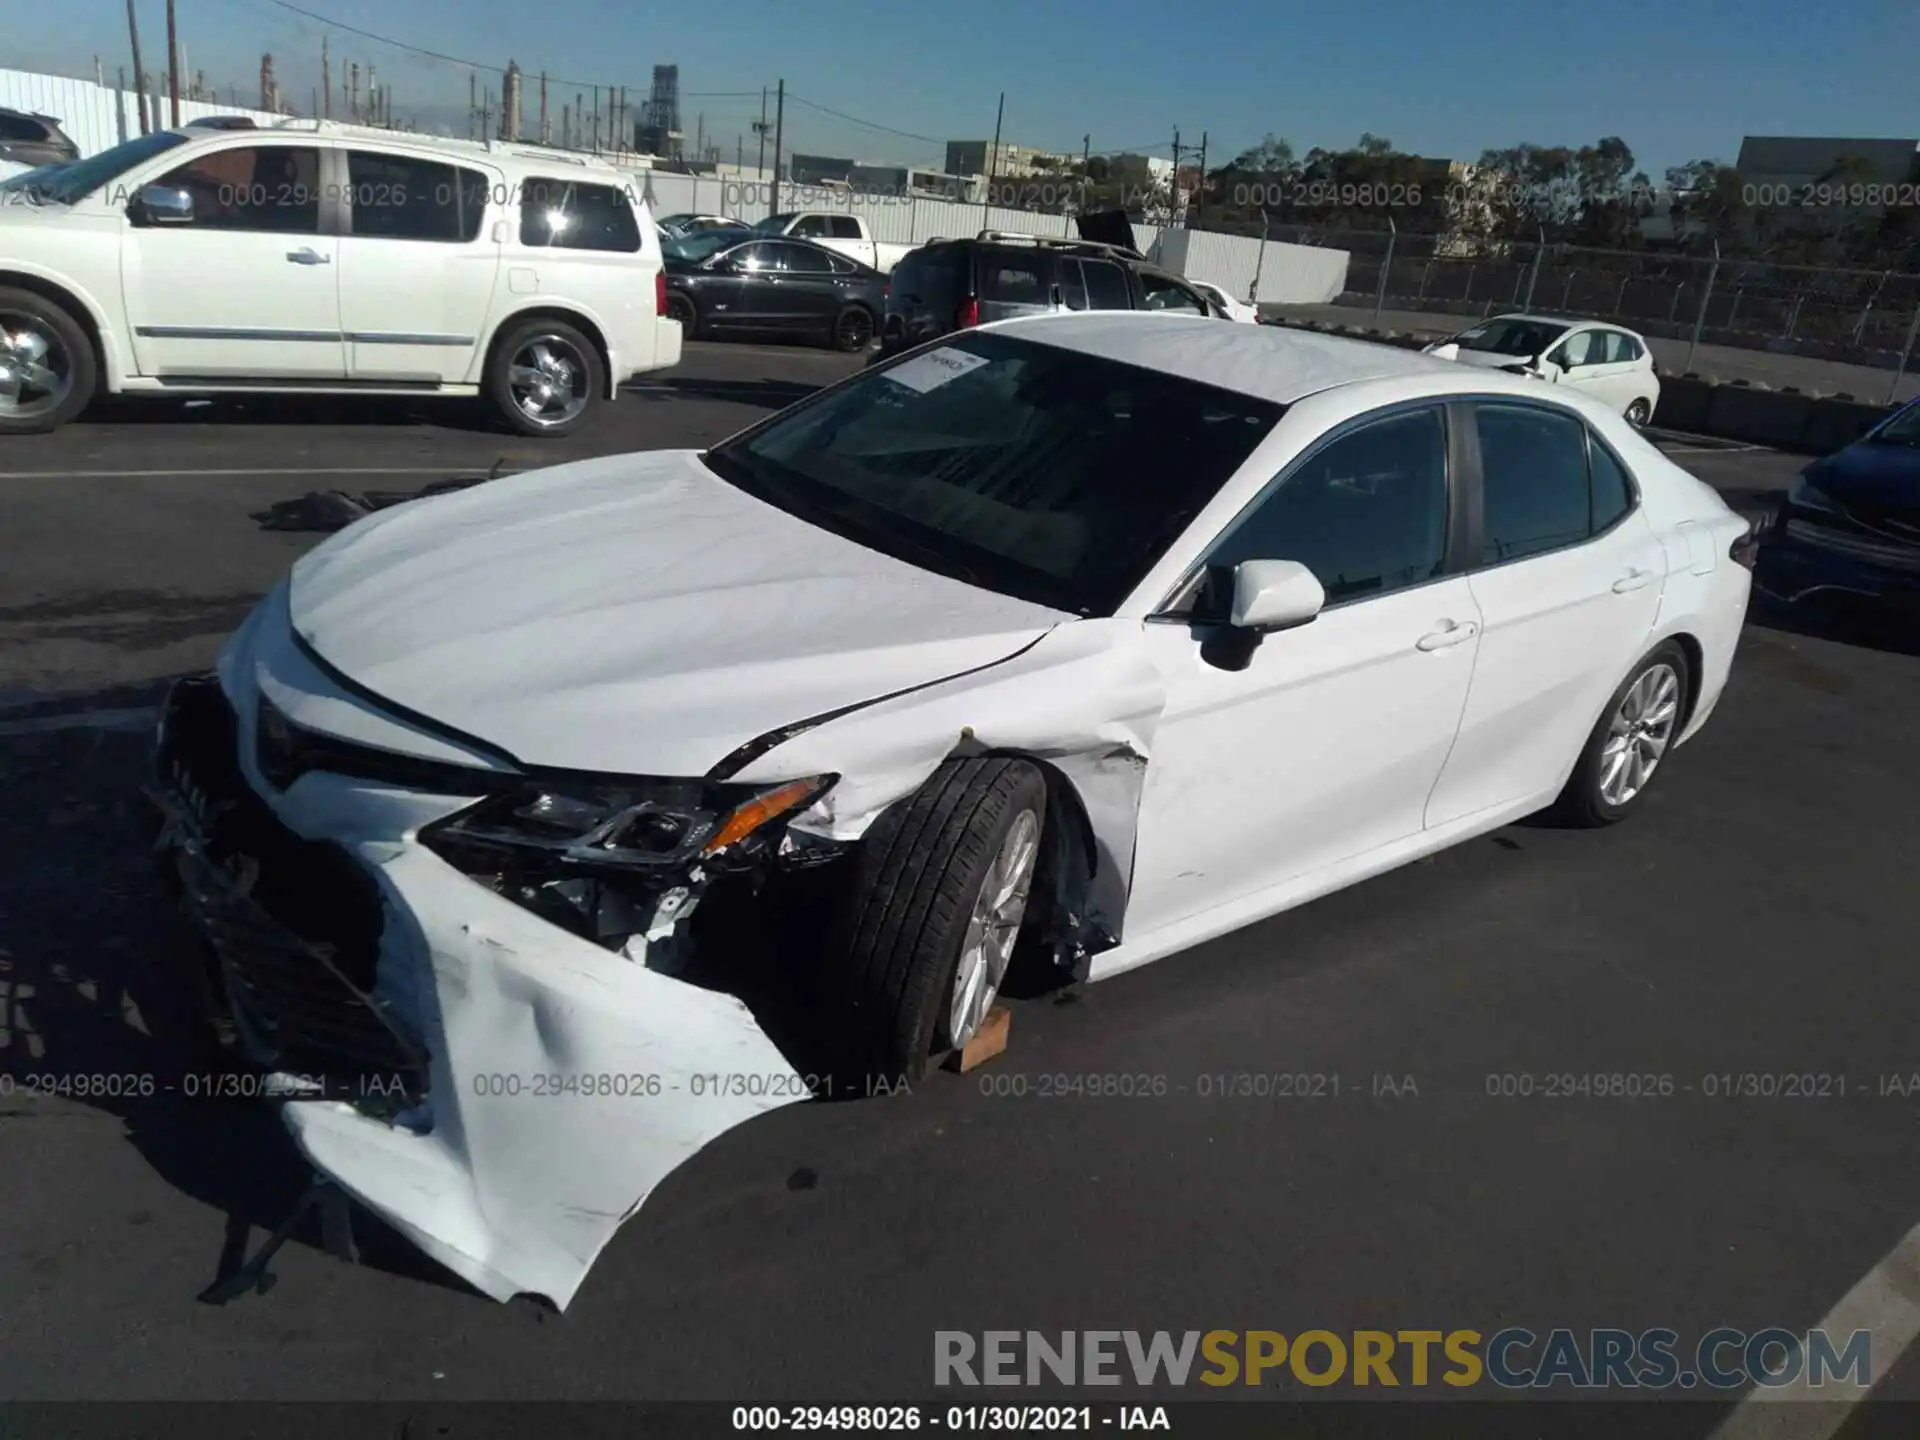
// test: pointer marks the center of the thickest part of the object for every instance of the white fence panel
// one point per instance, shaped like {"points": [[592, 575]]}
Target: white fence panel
{"points": [[98, 117], [1286, 274]]}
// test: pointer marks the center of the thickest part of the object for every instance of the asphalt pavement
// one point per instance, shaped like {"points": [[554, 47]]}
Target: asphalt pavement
{"points": [[1755, 918]]}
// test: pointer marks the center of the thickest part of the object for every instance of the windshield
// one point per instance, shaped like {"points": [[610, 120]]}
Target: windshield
{"points": [[1903, 428], [699, 245], [777, 224], [76, 179], [1036, 471], [1522, 338]]}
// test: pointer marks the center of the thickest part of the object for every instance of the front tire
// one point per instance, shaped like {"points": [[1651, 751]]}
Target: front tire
{"points": [[48, 370], [934, 911], [545, 378], [1629, 742]]}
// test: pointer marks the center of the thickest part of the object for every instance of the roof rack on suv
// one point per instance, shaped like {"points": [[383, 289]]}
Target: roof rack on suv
{"points": [[520, 149], [1058, 242]]}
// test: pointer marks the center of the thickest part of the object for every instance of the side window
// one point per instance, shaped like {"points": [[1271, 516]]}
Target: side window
{"points": [[275, 188], [567, 216], [841, 265], [811, 227], [1612, 492], [1107, 287], [1583, 349], [1619, 348], [765, 258], [399, 197], [1367, 514], [843, 227], [1534, 469], [805, 260], [19, 127], [1073, 286], [1163, 292], [1013, 279]]}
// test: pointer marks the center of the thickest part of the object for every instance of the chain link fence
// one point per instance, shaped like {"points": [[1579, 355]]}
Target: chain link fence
{"points": [[1863, 317]]}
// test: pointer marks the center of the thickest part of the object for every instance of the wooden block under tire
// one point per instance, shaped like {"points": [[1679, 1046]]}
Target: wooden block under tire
{"points": [[989, 1042]]}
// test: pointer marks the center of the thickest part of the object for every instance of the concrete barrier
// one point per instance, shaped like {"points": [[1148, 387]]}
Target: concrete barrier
{"points": [[1790, 420], [1757, 415]]}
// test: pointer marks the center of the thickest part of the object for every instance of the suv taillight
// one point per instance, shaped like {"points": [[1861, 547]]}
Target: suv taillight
{"points": [[968, 315], [660, 295]]}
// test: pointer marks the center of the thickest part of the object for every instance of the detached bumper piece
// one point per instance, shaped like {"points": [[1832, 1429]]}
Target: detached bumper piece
{"points": [[290, 927]]}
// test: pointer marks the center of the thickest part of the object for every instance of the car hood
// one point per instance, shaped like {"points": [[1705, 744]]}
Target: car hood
{"points": [[634, 614], [1484, 359], [1870, 473]]}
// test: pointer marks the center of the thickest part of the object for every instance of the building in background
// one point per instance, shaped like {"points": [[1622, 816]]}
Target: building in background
{"points": [[820, 170], [976, 157], [658, 131], [1823, 183]]}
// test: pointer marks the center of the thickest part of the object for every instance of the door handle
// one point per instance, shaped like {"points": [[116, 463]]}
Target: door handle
{"points": [[1454, 632], [1632, 580], [309, 256]]}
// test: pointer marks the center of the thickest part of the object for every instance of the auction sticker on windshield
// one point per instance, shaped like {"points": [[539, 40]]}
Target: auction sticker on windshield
{"points": [[934, 369]]}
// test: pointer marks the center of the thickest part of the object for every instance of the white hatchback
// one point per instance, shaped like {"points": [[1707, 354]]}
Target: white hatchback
{"points": [[1611, 364], [315, 257]]}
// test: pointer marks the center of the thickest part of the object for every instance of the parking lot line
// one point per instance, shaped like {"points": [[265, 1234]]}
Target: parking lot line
{"points": [[1885, 1303], [158, 474]]}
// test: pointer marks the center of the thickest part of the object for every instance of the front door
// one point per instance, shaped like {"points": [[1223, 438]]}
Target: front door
{"points": [[417, 266], [248, 288], [1327, 744], [1568, 584]]}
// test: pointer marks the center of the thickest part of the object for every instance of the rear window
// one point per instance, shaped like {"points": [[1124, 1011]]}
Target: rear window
{"points": [[564, 215], [19, 127], [1014, 279], [928, 280], [1033, 470]]}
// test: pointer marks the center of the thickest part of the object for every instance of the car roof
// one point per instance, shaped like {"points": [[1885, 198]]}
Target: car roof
{"points": [[1268, 362], [1559, 320], [508, 154]]}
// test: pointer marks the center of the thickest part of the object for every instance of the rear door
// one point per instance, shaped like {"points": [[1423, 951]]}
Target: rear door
{"points": [[418, 264], [810, 288]]}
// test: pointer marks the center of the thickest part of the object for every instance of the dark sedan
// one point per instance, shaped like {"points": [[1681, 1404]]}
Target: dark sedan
{"points": [[30, 139], [718, 285], [1850, 526]]}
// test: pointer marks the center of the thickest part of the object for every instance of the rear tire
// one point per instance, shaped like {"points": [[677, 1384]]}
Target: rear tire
{"points": [[545, 378], [48, 370], [853, 329], [1636, 731], [923, 900], [681, 307]]}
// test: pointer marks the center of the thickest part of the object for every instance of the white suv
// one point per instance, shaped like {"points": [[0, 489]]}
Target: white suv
{"points": [[317, 257]]}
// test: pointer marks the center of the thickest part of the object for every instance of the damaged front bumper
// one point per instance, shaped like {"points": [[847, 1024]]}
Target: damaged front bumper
{"points": [[500, 1091]]}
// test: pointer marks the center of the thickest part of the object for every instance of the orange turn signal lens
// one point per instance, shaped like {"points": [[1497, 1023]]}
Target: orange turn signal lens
{"points": [[764, 807]]}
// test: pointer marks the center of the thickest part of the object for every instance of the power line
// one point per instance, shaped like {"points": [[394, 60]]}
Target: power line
{"points": [[481, 65], [931, 140]]}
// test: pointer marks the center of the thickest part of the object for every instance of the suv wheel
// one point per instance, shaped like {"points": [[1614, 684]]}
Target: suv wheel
{"points": [[47, 366], [545, 378]]}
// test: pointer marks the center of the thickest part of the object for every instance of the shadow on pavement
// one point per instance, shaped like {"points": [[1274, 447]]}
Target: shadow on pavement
{"points": [[96, 1008], [1844, 620], [367, 411], [771, 394]]}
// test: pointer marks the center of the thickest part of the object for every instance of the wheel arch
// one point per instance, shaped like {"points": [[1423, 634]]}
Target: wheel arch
{"points": [[84, 311], [578, 318]]}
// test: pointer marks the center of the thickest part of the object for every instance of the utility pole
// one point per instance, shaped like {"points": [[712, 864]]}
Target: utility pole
{"points": [[1086, 169], [326, 76], [779, 139], [139, 72], [473, 101], [739, 152], [700, 136], [173, 65], [596, 119], [546, 128], [373, 96], [120, 106], [760, 129], [993, 157]]}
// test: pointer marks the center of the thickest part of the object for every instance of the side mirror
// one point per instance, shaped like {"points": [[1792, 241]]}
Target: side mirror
{"points": [[1274, 595], [163, 205]]}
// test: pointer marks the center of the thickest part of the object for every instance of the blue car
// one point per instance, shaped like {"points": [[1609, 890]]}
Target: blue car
{"points": [[1850, 526]]}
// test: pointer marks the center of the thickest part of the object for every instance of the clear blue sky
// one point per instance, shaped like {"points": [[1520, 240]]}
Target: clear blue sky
{"points": [[1677, 79]]}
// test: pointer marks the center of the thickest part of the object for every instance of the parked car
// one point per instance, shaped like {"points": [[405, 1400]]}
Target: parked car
{"points": [[678, 225], [309, 257], [848, 234], [1849, 528], [29, 139], [223, 122], [718, 286], [1230, 308], [1092, 637], [949, 285], [1610, 363]]}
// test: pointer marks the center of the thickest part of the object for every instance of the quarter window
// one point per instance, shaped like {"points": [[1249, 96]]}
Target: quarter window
{"points": [[564, 215], [1612, 492], [275, 188], [1367, 514]]}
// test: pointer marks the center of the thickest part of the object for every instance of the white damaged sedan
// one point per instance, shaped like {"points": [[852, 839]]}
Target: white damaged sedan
{"points": [[1088, 636]]}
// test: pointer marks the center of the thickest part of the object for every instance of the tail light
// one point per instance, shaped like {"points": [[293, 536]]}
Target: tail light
{"points": [[659, 294], [968, 315], [1746, 550]]}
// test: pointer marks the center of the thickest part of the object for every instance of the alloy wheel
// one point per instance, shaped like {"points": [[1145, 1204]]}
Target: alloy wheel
{"points": [[992, 929], [36, 372], [1638, 736], [549, 379]]}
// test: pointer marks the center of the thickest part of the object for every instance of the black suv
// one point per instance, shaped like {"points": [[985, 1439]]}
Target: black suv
{"points": [[949, 285], [27, 139]]}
